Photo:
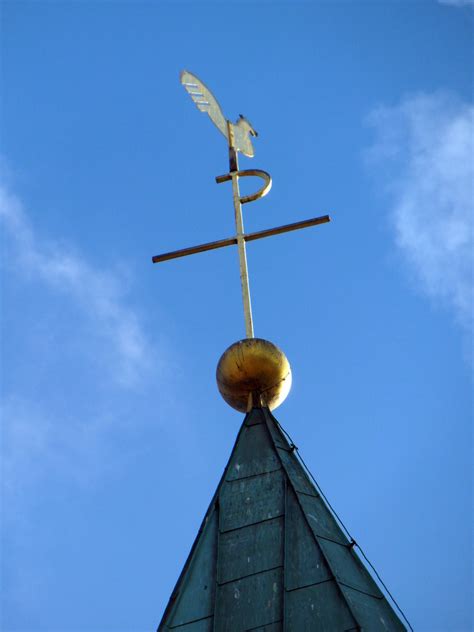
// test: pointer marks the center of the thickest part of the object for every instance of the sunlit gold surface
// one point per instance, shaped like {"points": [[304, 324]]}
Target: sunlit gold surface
{"points": [[253, 371], [238, 133], [250, 172]]}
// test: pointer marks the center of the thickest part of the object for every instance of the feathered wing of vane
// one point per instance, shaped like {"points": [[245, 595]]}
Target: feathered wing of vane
{"points": [[205, 100]]}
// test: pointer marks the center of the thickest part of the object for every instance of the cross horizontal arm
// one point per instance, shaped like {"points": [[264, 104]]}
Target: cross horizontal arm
{"points": [[184, 252], [233, 240], [286, 228]]}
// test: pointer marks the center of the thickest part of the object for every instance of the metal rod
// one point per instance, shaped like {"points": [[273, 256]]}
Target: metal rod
{"points": [[213, 245], [306, 223], [194, 249], [239, 226]]}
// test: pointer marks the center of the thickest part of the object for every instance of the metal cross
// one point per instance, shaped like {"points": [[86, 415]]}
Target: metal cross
{"points": [[238, 140]]}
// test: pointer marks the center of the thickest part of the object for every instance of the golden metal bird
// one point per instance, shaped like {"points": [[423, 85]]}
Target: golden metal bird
{"points": [[237, 134]]}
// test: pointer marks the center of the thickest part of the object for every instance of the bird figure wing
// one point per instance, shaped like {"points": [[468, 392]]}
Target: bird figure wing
{"points": [[204, 99]]}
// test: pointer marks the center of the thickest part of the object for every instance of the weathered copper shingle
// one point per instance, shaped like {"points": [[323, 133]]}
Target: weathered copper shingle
{"points": [[270, 556]]}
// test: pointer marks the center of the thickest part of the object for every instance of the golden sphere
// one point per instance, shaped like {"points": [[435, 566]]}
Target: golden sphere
{"points": [[257, 367]]}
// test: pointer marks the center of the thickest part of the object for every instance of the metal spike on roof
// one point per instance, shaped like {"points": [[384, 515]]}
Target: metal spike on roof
{"points": [[270, 556]]}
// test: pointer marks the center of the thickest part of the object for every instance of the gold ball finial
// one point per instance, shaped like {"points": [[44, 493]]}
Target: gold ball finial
{"points": [[253, 370]]}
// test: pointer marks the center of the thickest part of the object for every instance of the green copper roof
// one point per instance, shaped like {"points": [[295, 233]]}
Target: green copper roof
{"points": [[269, 555]]}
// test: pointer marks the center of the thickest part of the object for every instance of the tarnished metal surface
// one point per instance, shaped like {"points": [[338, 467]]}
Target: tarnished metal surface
{"points": [[201, 625], [375, 614], [253, 369], [250, 602], [232, 241], [196, 600], [319, 607], [347, 567], [250, 550], [270, 556], [253, 454], [305, 563], [250, 500]]}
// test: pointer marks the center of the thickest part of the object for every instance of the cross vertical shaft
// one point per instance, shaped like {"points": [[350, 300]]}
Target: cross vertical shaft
{"points": [[244, 277], [239, 227]]}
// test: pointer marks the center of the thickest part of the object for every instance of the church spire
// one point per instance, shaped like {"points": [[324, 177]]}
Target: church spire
{"points": [[270, 556]]}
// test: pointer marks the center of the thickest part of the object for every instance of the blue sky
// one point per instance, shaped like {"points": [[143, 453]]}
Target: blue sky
{"points": [[113, 433]]}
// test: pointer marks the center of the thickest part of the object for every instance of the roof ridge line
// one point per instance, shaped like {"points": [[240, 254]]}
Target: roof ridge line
{"points": [[387, 596], [270, 419], [176, 590]]}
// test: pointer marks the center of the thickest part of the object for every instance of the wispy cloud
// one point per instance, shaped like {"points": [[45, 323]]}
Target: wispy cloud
{"points": [[425, 147], [68, 397], [97, 293], [83, 379]]}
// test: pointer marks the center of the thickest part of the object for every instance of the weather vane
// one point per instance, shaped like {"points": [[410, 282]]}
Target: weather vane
{"points": [[242, 386]]}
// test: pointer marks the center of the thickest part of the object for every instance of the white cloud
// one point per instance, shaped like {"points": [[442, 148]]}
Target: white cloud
{"points": [[84, 383], [426, 145], [97, 293], [68, 395]]}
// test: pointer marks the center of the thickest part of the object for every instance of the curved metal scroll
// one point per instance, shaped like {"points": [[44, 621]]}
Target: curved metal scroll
{"points": [[250, 172]]}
